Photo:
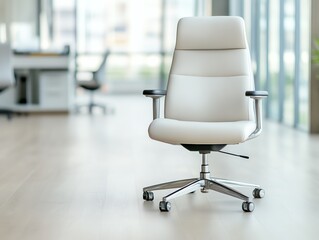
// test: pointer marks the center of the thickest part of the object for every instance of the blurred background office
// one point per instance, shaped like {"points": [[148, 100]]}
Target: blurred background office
{"points": [[75, 154], [139, 36]]}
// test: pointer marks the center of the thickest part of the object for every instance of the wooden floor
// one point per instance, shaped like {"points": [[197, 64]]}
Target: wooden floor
{"points": [[81, 177]]}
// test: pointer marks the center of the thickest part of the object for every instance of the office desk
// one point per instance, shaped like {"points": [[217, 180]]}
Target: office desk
{"points": [[44, 61], [44, 84]]}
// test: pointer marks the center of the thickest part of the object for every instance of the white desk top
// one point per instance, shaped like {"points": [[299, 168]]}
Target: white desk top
{"points": [[40, 62]]}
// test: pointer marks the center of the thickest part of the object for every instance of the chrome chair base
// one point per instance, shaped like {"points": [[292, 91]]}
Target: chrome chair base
{"points": [[204, 183]]}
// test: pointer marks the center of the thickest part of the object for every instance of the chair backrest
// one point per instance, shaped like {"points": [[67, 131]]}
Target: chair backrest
{"points": [[99, 74], [6, 67], [210, 72]]}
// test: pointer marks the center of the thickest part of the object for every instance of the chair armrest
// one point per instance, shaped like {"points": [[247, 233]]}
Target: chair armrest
{"points": [[155, 95], [257, 96]]}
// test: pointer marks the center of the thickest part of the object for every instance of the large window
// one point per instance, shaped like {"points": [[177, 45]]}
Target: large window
{"points": [[140, 35], [303, 86], [19, 24], [273, 60], [288, 39], [278, 33]]}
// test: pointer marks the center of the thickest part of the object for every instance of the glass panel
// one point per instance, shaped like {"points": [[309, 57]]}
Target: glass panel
{"points": [[91, 26], [24, 25], [274, 59], [269, 73], [263, 44], [132, 30], [118, 26], [247, 16], [134, 67], [133, 35], [304, 61], [289, 61], [63, 23]]}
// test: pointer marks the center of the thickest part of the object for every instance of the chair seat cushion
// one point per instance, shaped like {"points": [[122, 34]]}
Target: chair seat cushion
{"points": [[89, 85], [187, 132]]}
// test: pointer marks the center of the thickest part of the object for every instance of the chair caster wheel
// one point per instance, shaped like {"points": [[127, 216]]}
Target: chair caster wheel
{"points": [[148, 196], [258, 193], [248, 206], [164, 206]]}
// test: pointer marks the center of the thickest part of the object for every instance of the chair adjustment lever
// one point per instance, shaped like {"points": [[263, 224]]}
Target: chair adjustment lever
{"points": [[236, 155]]}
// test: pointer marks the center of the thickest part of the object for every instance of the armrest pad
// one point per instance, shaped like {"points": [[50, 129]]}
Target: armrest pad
{"points": [[256, 94], [157, 92]]}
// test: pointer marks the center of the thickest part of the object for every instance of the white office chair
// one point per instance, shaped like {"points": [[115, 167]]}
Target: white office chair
{"points": [[6, 73], [210, 102]]}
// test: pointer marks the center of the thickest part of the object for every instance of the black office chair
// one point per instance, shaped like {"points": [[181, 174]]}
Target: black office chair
{"points": [[6, 74], [94, 84]]}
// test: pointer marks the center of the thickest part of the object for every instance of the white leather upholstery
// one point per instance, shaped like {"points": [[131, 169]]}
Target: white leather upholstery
{"points": [[211, 33], [210, 73], [218, 96], [208, 63], [187, 132]]}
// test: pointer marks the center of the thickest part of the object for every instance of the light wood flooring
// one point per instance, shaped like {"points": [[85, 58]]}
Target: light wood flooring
{"points": [[81, 177]]}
